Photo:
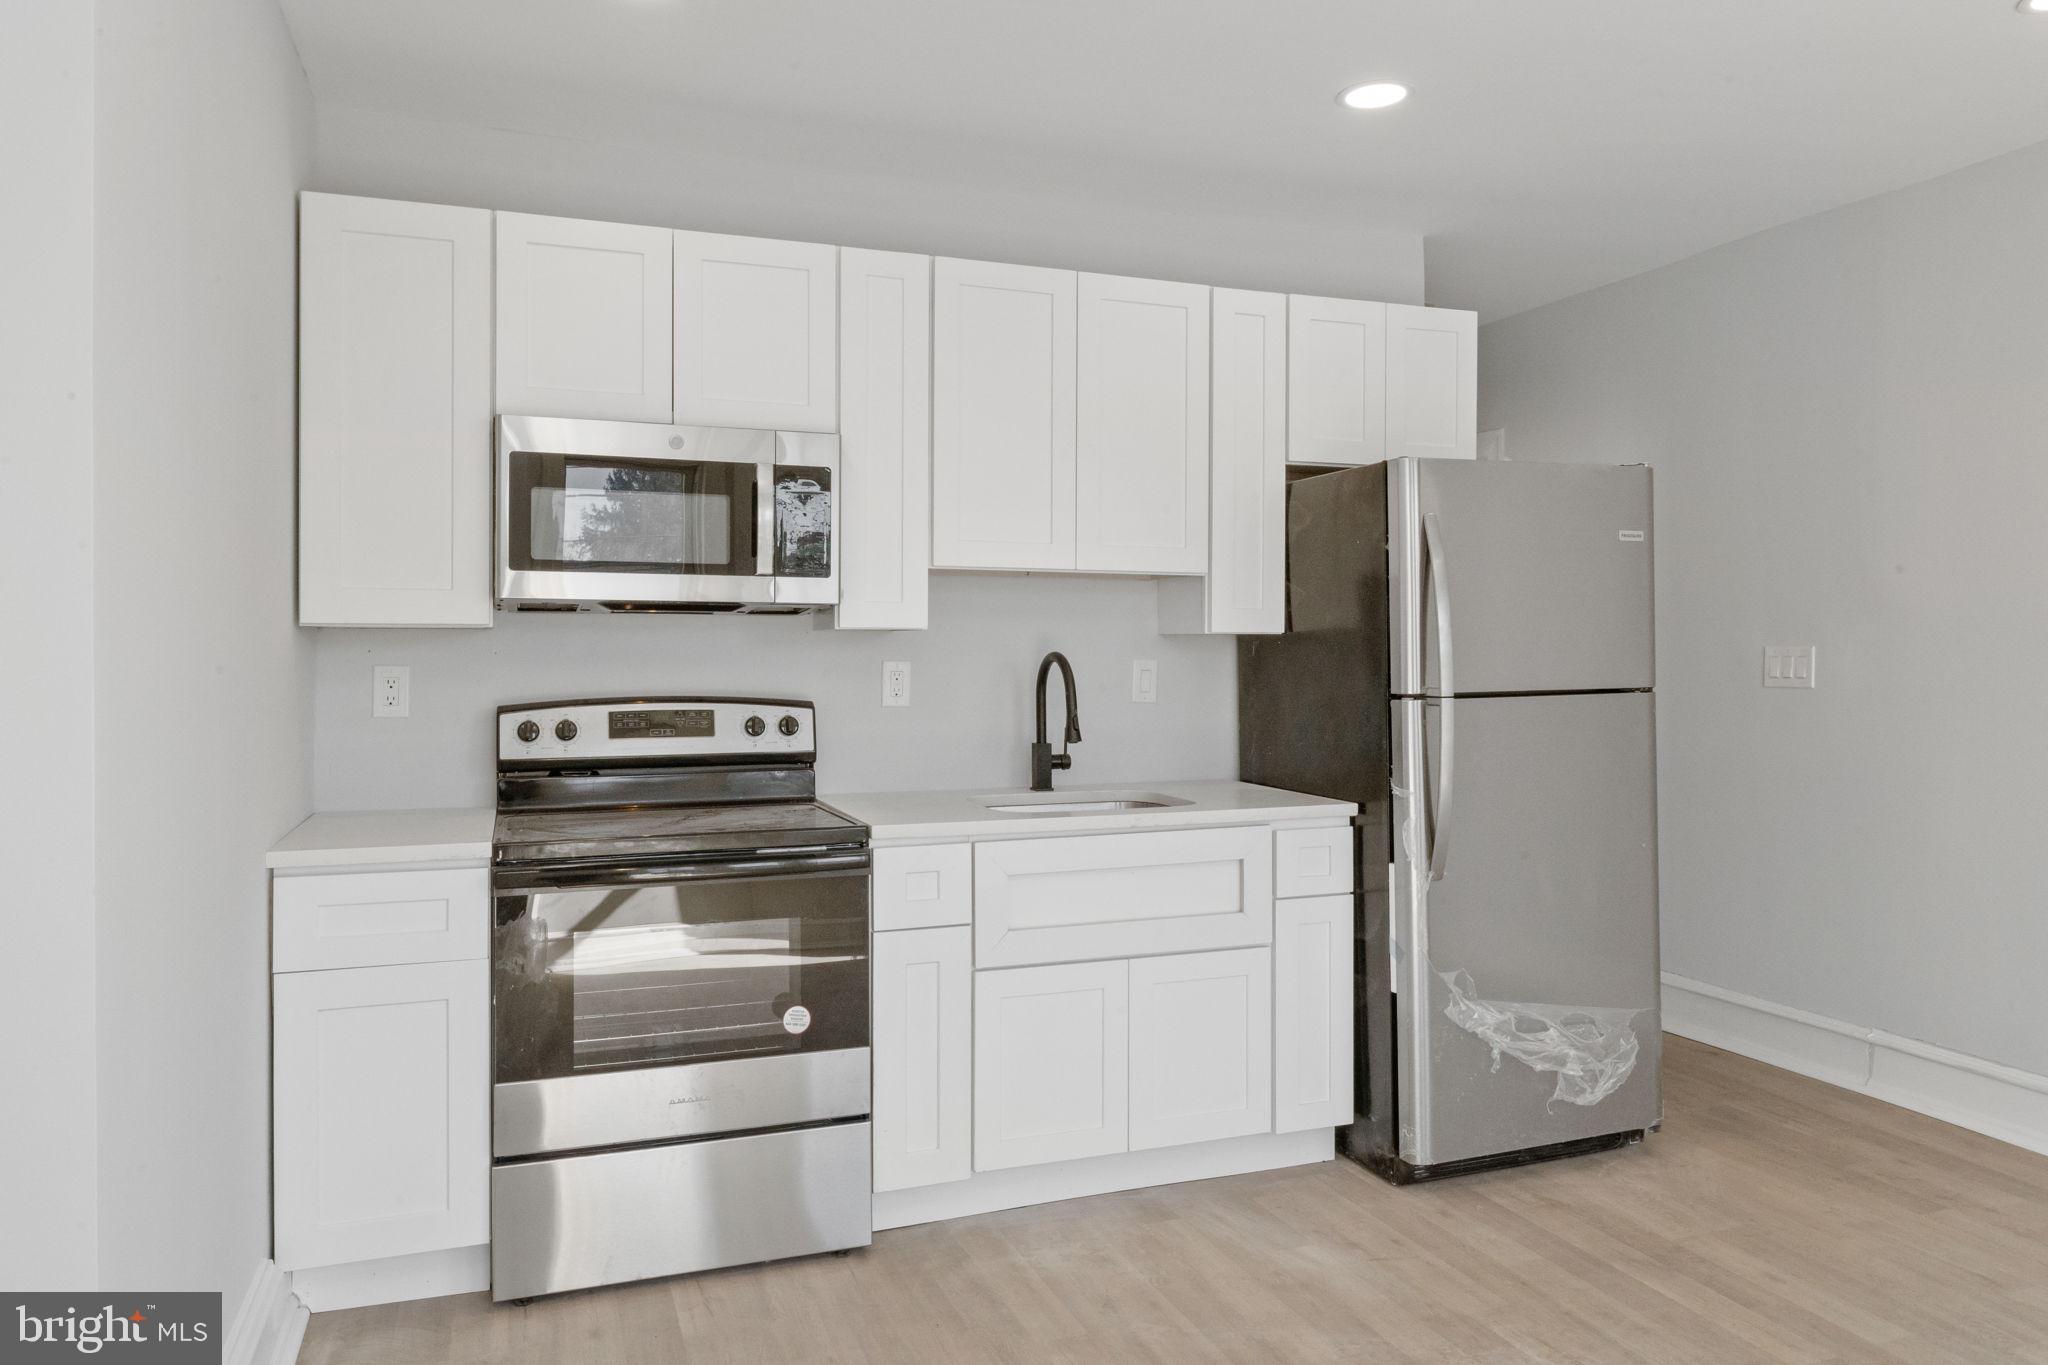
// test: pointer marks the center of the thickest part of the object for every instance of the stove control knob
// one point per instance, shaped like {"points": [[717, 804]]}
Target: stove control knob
{"points": [[529, 731], [787, 725], [565, 730], [755, 725]]}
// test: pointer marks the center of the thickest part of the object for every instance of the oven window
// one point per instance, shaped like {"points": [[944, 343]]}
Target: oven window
{"points": [[629, 516], [605, 979]]}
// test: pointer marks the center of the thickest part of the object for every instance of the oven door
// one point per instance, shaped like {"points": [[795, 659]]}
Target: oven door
{"points": [[635, 514], [647, 1003]]}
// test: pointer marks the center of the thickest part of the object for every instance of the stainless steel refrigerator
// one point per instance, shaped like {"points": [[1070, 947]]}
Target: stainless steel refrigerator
{"points": [[1469, 655]]}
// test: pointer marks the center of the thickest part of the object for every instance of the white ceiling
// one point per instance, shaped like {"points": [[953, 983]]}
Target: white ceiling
{"points": [[1550, 146]]}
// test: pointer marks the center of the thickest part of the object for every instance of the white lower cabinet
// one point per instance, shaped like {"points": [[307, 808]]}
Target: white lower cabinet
{"points": [[382, 1096], [1051, 1064], [1313, 1013], [1201, 1047], [923, 1057]]}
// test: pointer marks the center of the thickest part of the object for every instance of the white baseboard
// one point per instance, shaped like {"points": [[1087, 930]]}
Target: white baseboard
{"points": [[1998, 1101], [269, 1324], [396, 1279], [989, 1191]]}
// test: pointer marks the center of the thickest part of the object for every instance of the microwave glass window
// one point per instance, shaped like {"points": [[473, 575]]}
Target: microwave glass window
{"points": [[627, 517]]}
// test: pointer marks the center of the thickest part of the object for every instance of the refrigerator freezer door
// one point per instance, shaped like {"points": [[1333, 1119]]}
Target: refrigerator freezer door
{"points": [[1528, 981], [1542, 572]]}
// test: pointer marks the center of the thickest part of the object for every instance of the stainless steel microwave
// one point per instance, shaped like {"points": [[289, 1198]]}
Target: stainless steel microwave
{"points": [[629, 516]]}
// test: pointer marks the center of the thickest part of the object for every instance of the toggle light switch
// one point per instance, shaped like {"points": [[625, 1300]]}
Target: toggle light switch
{"points": [[1788, 665]]}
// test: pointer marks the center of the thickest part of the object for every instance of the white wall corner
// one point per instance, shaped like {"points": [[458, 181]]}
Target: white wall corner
{"points": [[1998, 1101], [270, 1323]]}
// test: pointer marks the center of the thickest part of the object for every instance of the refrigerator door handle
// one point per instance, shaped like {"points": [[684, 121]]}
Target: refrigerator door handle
{"points": [[1440, 595]]}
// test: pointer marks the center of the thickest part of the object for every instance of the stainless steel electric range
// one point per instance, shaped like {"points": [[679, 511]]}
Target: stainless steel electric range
{"points": [[679, 994]]}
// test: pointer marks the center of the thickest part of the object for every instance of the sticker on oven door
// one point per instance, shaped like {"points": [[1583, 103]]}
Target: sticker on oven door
{"points": [[1631, 536], [796, 1019]]}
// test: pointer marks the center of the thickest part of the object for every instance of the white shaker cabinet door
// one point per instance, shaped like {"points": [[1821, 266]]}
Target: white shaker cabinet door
{"points": [[924, 1057], [1051, 1064], [394, 413], [1142, 434], [585, 324], [1002, 416], [1336, 381], [1313, 1013], [383, 1100], [885, 440], [1432, 382], [1201, 1047], [756, 340]]}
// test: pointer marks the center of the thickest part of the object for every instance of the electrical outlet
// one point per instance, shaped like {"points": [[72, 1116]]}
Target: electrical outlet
{"points": [[1788, 665], [895, 683], [1144, 680], [390, 691]]}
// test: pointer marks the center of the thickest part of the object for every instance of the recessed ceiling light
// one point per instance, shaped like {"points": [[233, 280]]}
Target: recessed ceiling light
{"points": [[2034, 6], [1386, 94]]}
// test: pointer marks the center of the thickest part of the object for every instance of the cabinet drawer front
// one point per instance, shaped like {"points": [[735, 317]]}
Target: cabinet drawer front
{"points": [[369, 919], [924, 1060], [1051, 1064], [1312, 862], [1201, 1047], [924, 887], [1122, 895]]}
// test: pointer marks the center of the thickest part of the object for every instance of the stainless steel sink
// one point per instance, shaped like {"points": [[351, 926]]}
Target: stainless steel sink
{"points": [[1077, 803]]}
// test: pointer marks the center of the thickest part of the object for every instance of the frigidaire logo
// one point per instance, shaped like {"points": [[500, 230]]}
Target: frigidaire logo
{"points": [[158, 1327]]}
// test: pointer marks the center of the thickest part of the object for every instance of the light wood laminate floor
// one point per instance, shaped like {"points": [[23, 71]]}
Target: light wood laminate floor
{"points": [[1775, 1219]]}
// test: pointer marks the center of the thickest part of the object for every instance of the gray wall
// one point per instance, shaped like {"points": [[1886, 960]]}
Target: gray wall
{"points": [[203, 139], [969, 720], [1849, 421]]}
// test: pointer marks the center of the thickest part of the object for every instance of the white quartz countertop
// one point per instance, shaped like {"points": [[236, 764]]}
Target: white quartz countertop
{"points": [[951, 816], [370, 838]]}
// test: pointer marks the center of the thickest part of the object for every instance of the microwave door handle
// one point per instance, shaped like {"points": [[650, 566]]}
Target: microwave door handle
{"points": [[764, 514]]}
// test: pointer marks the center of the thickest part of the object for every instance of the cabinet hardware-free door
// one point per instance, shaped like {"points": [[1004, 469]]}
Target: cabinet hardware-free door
{"points": [[924, 1057], [1312, 1014], [1201, 1047], [1002, 416], [585, 320], [1051, 1064], [383, 1097], [394, 413], [885, 440], [755, 334], [1142, 434], [1432, 382], [1336, 381], [1245, 590]]}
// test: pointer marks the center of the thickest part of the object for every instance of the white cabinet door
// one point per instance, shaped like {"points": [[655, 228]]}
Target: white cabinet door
{"points": [[394, 413], [1432, 382], [382, 1092], [1002, 416], [1141, 471], [1313, 1014], [1336, 381], [755, 340], [1051, 1064], [924, 1057], [885, 440], [585, 319], [1201, 1047], [1245, 590]]}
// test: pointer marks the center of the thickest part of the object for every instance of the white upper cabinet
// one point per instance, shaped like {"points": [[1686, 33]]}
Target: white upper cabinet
{"points": [[1432, 382], [585, 319], [885, 439], [755, 337], [1002, 416], [1336, 381], [394, 413], [1142, 439], [1245, 590]]}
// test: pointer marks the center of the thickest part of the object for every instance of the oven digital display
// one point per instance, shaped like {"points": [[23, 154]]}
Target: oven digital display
{"points": [[661, 725]]}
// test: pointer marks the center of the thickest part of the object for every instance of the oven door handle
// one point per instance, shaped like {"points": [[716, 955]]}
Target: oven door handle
{"points": [[559, 878]]}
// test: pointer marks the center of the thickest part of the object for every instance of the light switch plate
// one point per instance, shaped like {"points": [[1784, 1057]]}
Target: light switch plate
{"points": [[895, 683], [390, 691], [1788, 665], [1144, 680]]}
